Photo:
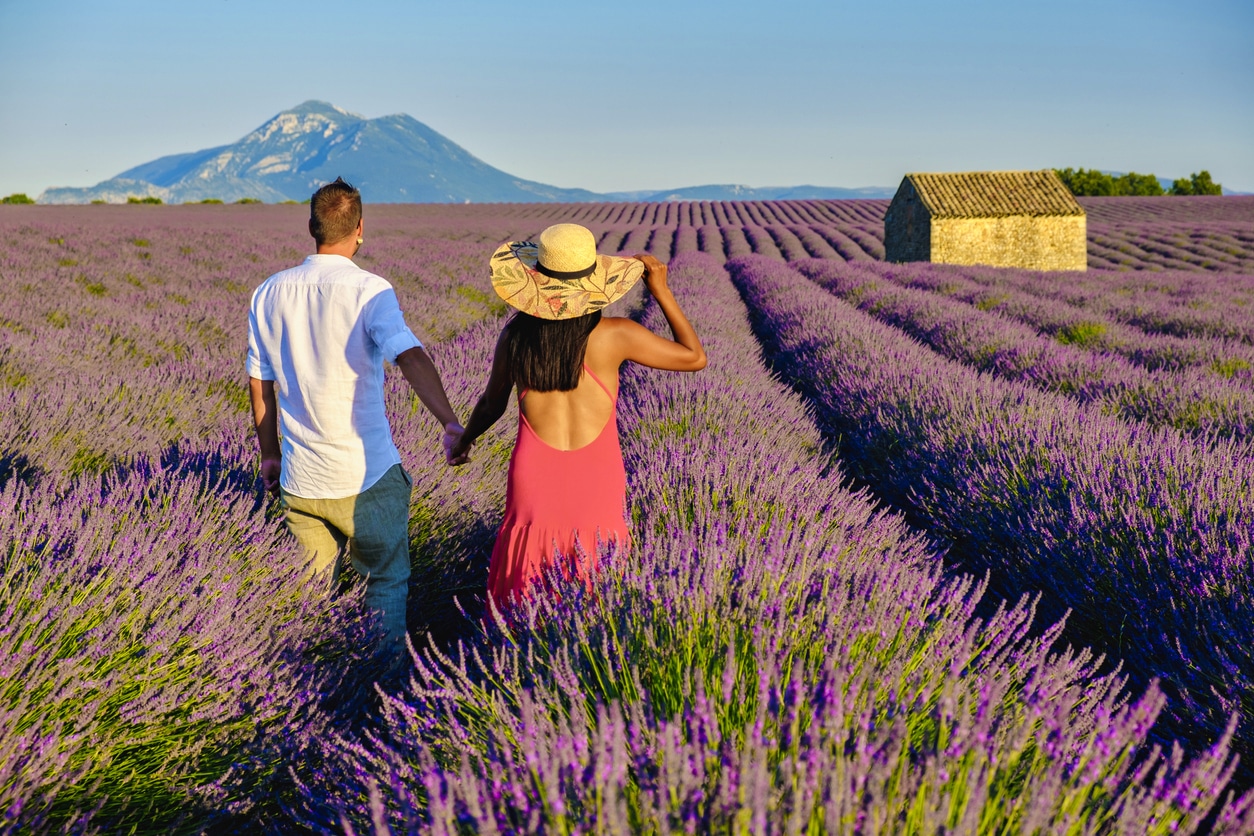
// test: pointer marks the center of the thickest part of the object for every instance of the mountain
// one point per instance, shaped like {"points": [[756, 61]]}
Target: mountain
{"points": [[392, 159]]}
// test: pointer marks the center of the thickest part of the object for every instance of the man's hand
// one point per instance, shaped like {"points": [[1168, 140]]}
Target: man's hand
{"points": [[454, 452], [266, 418], [270, 470]]}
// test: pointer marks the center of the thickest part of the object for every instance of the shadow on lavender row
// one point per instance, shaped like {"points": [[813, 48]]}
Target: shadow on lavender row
{"points": [[961, 555], [15, 465], [179, 460], [448, 583]]}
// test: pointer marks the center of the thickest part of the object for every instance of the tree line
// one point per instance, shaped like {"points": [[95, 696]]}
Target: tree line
{"points": [[1092, 183]]}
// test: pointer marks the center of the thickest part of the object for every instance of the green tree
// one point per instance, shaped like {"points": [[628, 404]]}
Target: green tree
{"points": [[1093, 183], [1202, 184], [17, 197], [1144, 185], [1086, 182], [1198, 183]]}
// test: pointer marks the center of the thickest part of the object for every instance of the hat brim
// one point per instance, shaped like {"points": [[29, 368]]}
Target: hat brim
{"points": [[516, 280]]}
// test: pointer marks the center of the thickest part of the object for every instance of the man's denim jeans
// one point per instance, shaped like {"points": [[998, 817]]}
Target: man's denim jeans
{"points": [[374, 527]]}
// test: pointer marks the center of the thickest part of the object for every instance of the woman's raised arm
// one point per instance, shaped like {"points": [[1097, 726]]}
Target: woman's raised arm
{"points": [[682, 353]]}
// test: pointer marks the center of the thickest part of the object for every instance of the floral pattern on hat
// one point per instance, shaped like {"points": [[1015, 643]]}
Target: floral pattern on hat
{"points": [[517, 281]]}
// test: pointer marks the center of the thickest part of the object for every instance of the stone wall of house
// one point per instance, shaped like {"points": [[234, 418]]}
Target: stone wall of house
{"points": [[1044, 243], [907, 227]]}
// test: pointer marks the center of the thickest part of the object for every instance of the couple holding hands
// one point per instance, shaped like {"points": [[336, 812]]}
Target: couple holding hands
{"points": [[318, 335]]}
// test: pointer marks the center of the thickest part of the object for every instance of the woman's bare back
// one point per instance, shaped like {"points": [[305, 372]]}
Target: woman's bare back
{"points": [[574, 419]]}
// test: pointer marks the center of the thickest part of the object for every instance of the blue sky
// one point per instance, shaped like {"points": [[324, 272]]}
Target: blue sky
{"points": [[648, 94]]}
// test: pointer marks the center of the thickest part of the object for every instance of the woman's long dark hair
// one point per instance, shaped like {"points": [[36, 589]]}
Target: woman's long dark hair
{"points": [[547, 354]]}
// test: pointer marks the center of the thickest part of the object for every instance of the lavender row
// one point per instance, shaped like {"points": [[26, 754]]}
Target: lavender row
{"points": [[454, 515], [1176, 210], [663, 214], [189, 662], [163, 658], [157, 638], [114, 346], [1199, 234], [1126, 233], [778, 241], [1198, 248], [1146, 534], [773, 652], [1210, 305], [992, 290], [1119, 212], [1195, 401]]}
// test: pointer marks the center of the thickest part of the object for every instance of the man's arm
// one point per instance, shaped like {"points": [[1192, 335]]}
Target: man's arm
{"points": [[423, 378], [266, 421]]}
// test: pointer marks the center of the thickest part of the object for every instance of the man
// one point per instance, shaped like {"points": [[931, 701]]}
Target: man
{"points": [[318, 334]]}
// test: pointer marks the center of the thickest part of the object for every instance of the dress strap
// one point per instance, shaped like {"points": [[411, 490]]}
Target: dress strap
{"points": [[522, 393], [613, 399]]}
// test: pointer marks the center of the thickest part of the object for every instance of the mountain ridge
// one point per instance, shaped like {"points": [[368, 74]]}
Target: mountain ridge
{"points": [[392, 159]]}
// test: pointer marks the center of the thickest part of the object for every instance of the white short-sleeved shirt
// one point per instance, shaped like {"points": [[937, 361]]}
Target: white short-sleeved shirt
{"points": [[321, 331]]}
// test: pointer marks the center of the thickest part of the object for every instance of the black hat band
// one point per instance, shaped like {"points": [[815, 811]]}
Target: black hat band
{"points": [[565, 274]]}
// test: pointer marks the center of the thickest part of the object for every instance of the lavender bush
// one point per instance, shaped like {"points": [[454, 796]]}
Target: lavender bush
{"points": [[138, 347], [988, 289], [1215, 305], [163, 663], [1194, 400], [155, 633], [773, 655], [1154, 248], [775, 652], [1110, 519]]}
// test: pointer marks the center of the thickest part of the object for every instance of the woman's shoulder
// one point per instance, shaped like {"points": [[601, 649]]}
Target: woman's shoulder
{"points": [[613, 329], [618, 324], [613, 340], [612, 322]]}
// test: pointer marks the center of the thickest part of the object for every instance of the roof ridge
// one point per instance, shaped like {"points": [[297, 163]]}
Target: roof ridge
{"points": [[994, 194]]}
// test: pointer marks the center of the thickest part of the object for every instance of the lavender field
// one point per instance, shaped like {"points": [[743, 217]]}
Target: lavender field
{"points": [[924, 549]]}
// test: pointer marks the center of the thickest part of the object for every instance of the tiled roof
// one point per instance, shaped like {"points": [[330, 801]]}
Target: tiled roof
{"points": [[995, 194]]}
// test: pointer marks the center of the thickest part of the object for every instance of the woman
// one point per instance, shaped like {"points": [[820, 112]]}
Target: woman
{"points": [[566, 486]]}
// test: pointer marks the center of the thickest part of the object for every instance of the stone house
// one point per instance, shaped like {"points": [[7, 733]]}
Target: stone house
{"points": [[1025, 219]]}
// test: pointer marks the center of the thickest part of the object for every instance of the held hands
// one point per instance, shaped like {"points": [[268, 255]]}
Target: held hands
{"points": [[654, 272], [455, 452]]}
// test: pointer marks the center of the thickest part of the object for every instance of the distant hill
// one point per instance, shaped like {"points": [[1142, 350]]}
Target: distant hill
{"points": [[392, 159]]}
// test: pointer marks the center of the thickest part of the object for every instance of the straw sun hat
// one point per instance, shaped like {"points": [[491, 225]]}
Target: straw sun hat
{"points": [[560, 275]]}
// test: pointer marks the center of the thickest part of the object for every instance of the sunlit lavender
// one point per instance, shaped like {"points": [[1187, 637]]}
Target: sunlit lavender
{"points": [[856, 538]]}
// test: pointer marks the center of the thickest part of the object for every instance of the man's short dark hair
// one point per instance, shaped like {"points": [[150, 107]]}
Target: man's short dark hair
{"points": [[334, 212]]}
